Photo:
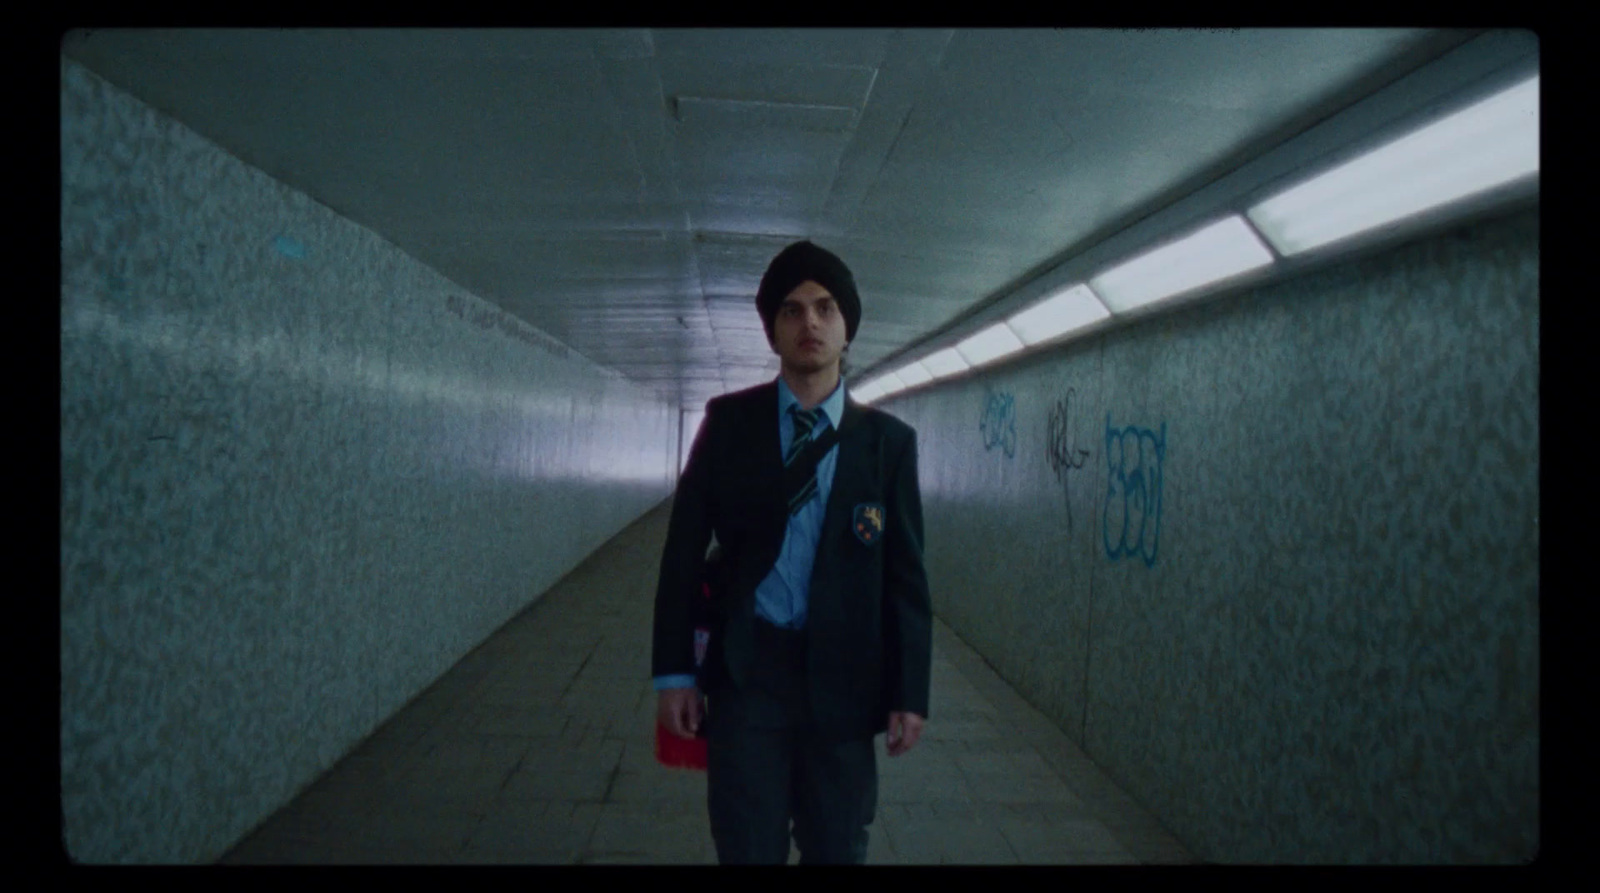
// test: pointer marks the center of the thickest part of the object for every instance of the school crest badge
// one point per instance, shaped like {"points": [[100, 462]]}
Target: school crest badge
{"points": [[868, 522]]}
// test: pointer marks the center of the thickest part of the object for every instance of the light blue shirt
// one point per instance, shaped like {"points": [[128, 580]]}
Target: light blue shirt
{"points": [[782, 596]]}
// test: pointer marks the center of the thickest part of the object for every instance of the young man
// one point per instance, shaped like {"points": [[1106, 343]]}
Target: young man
{"points": [[824, 637]]}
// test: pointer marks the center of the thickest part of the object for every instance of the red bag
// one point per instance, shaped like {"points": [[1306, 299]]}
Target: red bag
{"points": [[680, 753], [689, 753]]}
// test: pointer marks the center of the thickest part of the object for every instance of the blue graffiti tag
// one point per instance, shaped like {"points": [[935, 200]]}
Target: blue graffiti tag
{"points": [[289, 247], [999, 424], [1133, 498]]}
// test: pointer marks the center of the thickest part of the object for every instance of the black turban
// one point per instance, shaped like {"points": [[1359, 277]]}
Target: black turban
{"points": [[798, 263]]}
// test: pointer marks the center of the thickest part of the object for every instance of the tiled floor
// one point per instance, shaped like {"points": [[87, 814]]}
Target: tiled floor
{"points": [[537, 748]]}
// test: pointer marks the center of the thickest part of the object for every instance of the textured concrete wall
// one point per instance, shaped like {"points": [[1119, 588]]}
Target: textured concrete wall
{"points": [[1273, 560], [302, 475]]}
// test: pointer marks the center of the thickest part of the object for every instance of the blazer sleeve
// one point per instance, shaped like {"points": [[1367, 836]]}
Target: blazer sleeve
{"points": [[907, 614], [688, 535]]}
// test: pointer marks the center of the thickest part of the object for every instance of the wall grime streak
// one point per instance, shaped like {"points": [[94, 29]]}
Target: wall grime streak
{"points": [[999, 422], [489, 318], [1134, 458], [1063, 457]]}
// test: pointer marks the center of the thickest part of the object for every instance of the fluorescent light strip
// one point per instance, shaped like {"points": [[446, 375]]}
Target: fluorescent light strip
{"points": [[989, 345], [945, 363], [889, 383], [1483, 146], [913, 374], [865, 393], [1211, 254], [1486, 145], [1071, 309]]}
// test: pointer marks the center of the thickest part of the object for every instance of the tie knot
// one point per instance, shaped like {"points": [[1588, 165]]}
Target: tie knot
{"points": [[805, 419]]}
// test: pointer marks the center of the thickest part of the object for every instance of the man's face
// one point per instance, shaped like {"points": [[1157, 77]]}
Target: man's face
{"points": [[809, 330]]}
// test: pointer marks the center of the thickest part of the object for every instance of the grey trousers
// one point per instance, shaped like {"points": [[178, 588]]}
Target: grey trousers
{"points": [[768, 766]]}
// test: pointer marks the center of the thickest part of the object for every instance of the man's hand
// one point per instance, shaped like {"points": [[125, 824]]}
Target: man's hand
{"points": [[904, 730], [679, 710]]}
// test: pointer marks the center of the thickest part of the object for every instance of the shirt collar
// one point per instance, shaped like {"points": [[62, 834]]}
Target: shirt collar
{"points": [[832, 406]]}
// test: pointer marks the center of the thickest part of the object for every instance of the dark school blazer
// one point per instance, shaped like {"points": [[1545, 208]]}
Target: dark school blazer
{"points": [[868, 616]]}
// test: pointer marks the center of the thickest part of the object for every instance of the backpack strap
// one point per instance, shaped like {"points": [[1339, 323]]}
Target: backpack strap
{"points": [[798, 472]]}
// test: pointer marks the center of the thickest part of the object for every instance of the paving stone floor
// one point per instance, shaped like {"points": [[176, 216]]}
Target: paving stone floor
{"points": [[537, 748]]}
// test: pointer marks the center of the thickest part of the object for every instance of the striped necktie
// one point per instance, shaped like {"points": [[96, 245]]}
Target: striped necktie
{"points": [[804, 422]]}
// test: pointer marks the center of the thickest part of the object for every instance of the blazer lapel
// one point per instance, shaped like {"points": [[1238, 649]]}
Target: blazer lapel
{"points": [[769, 464], [851, 472], [766, 423]]}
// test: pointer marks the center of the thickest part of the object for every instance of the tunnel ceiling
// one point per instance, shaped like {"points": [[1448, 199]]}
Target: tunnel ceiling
{"points": [[623, 190]]}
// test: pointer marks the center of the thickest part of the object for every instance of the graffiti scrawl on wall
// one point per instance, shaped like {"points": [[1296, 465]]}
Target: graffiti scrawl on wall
{"points": [[1132, 522], [1063, 456], [999, 423]]}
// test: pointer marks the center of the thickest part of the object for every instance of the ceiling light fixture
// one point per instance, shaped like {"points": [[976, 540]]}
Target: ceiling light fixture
{"points": [[989, 345], [913, 374], [1064, 312], [945, 363], [1211, 254], [889, 383], [1489, 144]]}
